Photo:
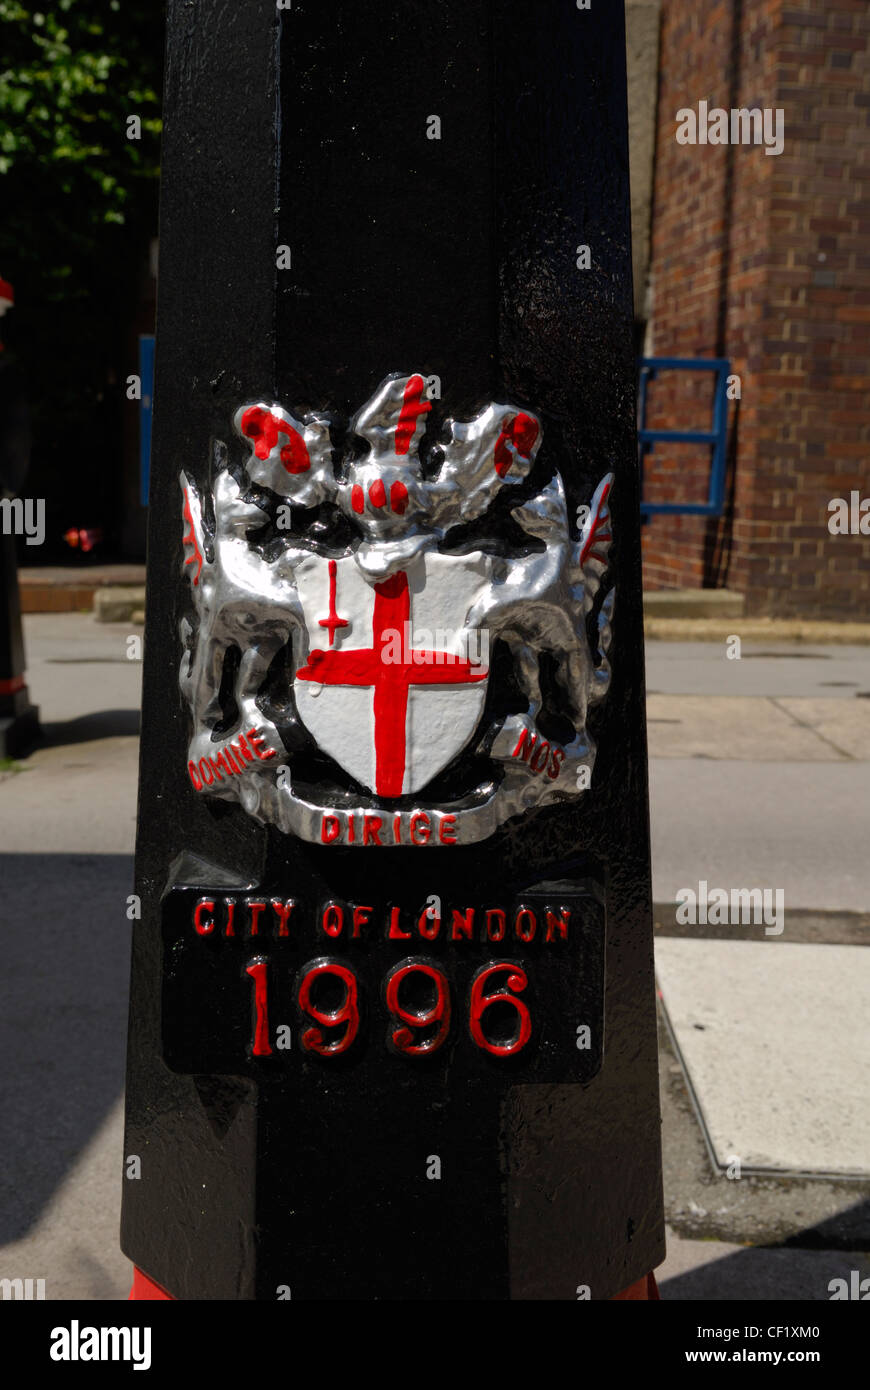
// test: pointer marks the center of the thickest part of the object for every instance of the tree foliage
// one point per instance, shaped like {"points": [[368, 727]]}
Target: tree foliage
{"points": [[78, 199], [71, 75]]}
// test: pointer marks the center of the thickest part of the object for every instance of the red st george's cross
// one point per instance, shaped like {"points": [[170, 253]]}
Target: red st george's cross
{"points": [[391, 679]]}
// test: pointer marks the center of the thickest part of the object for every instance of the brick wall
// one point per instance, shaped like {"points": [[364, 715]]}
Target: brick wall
{"points": [[765, 259]]}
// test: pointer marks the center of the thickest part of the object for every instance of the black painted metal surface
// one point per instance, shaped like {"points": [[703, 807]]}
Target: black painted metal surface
{"points": [[19, 719], [455, 257]]}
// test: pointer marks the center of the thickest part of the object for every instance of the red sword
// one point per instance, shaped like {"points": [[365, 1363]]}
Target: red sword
{"points": [[333, 621]]}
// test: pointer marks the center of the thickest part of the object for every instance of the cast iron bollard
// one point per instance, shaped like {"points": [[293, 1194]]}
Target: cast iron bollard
{"points": [[19, 719], [392, 1026]]}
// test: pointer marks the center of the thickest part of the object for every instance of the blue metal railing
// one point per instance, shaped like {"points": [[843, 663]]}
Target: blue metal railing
{"points": [[716, 438]]}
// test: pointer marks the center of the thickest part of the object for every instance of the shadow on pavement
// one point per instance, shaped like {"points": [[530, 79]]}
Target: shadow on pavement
{"points": [[64, 966], [761, 1273], [110, 723]]}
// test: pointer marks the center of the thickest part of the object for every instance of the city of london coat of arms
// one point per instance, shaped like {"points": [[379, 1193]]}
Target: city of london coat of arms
{"points": [[369, 662]]}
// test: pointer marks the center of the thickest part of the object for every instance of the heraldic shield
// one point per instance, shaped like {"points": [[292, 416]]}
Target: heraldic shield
{"points": [[390, 690], [370, 578]]}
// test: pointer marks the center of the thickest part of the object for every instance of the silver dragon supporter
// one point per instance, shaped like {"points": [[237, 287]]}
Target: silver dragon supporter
{"points": [[389, 635]]}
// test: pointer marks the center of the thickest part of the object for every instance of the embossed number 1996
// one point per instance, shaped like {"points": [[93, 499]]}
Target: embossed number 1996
{"points": [[417, 997]]}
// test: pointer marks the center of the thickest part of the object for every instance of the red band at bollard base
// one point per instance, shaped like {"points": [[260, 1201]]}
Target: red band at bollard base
{"points": [[645, 1288], [145, 1288]]}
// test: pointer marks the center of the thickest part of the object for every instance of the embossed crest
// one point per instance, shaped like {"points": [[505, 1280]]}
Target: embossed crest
{"points": [[388, 598]]}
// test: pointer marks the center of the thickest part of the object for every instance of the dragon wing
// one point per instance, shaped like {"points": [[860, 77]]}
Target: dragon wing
{"points": [[496, 448]]}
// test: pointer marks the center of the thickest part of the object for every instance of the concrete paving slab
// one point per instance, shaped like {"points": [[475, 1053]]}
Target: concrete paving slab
{"points": [[747, 728], [844, 724], [48, 635], [76, 798], [78, 668], [768, 669], [801, 827], [702, 1203], [776, 1045], [714, 1271]]}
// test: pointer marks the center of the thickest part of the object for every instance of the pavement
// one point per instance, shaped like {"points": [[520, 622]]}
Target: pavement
{"points": [[759, 776], [67, 831], [779, 1091], [769, 753]]}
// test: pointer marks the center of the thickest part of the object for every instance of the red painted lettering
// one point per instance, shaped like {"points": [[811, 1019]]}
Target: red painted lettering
{"points": [[402, 1038], [556, 763], [194, 776], [256, 909], [447, 830], [333, 919], [526, 738], [526, 924], [371, 826], [557, 924], [248, 755], [330, 829], [257, 738], [361, 918], [282, 912], [395, 933], [539, 757], [313, 1039], [480, 1001], [496, 924], [229, 929], [207, 927], [429, 925], [463, 924], [257, 972], [420, 821], [224, 760]]}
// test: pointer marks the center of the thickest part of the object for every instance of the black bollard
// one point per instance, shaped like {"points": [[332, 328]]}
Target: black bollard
{"points": [[392, 1024], [19, 718]]}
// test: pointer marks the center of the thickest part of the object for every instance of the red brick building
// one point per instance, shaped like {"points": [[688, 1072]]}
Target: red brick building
{"points": [[764, 258]]}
